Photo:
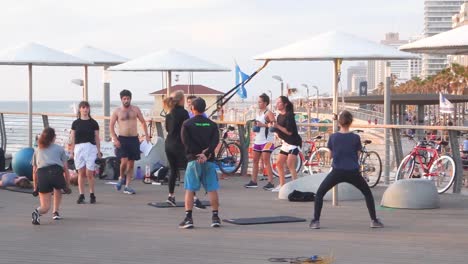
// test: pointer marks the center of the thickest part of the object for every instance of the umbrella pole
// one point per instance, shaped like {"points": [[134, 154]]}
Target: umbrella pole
{"points": [[106, 102], [336, 77], [30, 106], [168, 79], [85, 84]]}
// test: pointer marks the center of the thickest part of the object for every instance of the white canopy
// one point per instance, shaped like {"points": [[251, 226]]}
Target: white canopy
{"points": [[335, 45], [97, 56], [35, 54], [452, 42], [169, 60]]}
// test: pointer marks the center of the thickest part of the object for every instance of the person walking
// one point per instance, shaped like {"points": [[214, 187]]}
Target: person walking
{"points": [[50, 174], [263, 144], [127, 143], [173, 144], [85, 148], [200, 137], [345, 147], [286, 129]]}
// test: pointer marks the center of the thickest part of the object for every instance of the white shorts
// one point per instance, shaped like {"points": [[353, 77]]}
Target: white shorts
{"points": [[85, 155]]}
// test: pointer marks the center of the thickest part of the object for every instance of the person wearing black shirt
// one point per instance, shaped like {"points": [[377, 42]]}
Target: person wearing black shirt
{"points": [[85, 148], [173, 145], [286, 129], [345, 147], [200, 137]]}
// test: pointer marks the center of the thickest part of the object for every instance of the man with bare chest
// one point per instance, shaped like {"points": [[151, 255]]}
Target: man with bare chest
{"points": [[127, 143]]}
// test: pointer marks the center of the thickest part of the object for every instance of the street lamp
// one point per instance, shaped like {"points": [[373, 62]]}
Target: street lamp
{"points": [[278, 78], [271, 100]]}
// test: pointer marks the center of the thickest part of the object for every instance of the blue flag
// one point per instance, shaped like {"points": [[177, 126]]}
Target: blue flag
{"points": [[240, 78]]}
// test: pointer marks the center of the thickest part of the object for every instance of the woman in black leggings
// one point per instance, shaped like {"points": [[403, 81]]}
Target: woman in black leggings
{"points": [[345, 147]]}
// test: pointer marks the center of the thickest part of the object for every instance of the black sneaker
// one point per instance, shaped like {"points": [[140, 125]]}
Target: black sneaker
{"points": [[171, 200], [314, 224], [198, 204], [92, 198], [251, 184], [80, 199], [269, 186], [56, 216], [35, 217], [187, 223], [215, 221]]}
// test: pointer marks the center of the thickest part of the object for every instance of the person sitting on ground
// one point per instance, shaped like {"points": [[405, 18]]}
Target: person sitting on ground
{"points": [[8, 179]]}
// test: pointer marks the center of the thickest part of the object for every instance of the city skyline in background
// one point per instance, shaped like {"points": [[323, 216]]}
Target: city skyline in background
{"points": [[218, 31]]}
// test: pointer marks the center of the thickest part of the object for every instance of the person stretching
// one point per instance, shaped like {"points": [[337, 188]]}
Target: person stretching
{"points": [[345, 147]]}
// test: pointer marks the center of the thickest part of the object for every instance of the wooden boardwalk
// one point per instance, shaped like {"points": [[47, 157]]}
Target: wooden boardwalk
{"points": [[123, 229]]}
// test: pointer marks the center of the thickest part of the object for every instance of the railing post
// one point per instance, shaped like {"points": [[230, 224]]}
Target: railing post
{"points": [[457, 185], [159, 129], [45, 121]]}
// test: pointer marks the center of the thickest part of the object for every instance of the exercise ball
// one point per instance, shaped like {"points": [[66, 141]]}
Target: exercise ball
{"points": [[21, 162]]}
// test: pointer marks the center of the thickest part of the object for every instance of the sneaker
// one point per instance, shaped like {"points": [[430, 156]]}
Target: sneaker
{"points": [[128, 190], [92, 198], [198, 204], [269, 186], [35, 217], [215, 221], [81, 199], [314, 224], [56, 216], [376, 224], [119, 184], [187, 223], [276, 189], [171, 200], [251, 184]]}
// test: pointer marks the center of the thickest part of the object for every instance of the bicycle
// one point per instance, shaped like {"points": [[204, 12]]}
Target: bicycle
{"points": [[315, 160], [370, 163], [438, 168], [228, 153]]}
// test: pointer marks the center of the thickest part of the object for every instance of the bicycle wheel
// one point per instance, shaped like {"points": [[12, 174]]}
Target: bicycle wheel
{"points": [[371, 168], [442, 172], [320, 161], [287, 173], [406, 168], [229, 158]]}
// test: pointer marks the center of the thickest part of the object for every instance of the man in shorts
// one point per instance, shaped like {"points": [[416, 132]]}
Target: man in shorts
{"points": [[200, 137], [127, 143]]}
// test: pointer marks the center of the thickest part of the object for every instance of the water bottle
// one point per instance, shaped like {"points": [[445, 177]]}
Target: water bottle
{"points": [[139, 173], [147, 178]]}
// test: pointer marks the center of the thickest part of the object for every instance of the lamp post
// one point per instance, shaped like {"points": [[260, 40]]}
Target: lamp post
{"points": [[317, 104], [278, 78], [271, 100]]}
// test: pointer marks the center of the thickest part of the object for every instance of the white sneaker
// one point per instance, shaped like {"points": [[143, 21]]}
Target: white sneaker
{"points": [[276, 189]]}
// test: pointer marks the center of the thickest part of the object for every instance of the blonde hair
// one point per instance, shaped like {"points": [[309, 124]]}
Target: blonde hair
{"points": [[173, 100]]}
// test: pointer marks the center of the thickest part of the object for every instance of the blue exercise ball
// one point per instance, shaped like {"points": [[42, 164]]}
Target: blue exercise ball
{"points": [[21, 162]]}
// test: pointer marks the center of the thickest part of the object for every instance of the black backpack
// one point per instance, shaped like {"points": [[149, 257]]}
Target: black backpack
{"points": [[298, 196]]}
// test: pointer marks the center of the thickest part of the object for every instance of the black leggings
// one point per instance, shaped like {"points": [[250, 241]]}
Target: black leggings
{"points": [[177, 160], [338, 176]]}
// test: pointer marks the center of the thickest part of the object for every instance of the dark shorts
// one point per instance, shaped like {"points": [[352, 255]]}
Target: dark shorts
{"points": [[50, 178], [129, 148]]}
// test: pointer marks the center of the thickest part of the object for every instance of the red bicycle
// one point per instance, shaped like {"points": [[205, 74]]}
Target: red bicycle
{"points": [[438, 168]]}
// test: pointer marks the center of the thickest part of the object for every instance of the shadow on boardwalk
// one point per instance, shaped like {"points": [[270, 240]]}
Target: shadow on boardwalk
{"points": [[123, 229]]}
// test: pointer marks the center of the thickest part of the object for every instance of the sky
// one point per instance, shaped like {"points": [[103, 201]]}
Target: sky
{"points": [[219, 31]]}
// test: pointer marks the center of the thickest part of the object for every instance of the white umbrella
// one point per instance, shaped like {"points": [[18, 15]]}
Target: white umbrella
{"points": [[169, 61], [99, 58], [452, 42], [334, 46], [34, 54]]}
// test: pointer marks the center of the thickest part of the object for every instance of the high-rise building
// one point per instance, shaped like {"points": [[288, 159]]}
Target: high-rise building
{"points": [[437, 18], [458, 20], [356, 70]]}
